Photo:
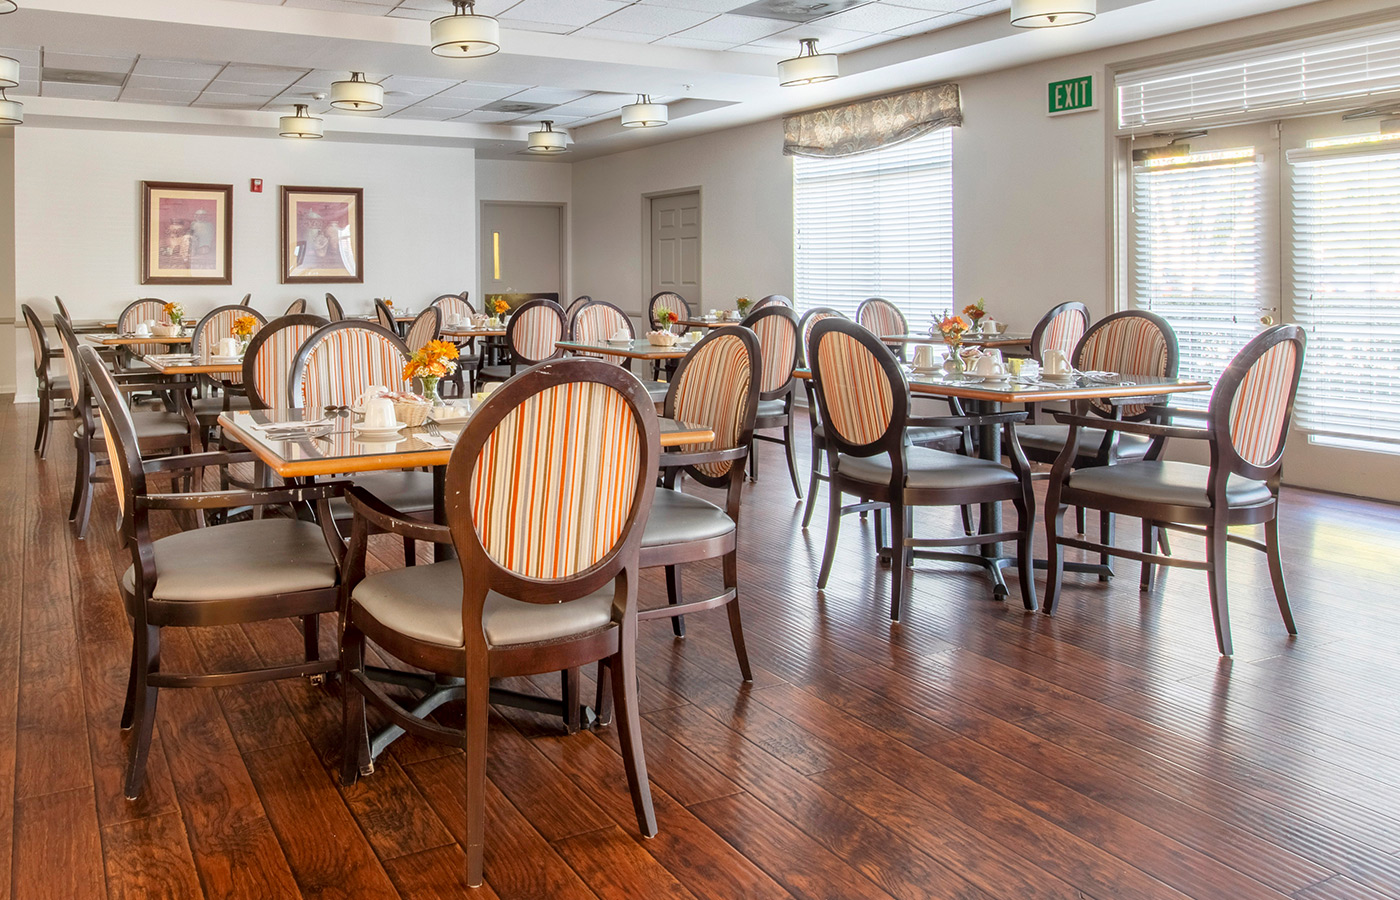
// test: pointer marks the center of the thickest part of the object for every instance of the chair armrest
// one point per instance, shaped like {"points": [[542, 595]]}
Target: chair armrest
{"points": [[196, 461], [384, 517], [1179, 412], [228, 499], [1001, 418], [674, 458], [1143, 428]]}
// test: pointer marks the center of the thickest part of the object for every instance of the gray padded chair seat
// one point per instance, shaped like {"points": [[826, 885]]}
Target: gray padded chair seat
{"points": [[928, 469], [425, 603], [58, 383], [656, 390], [155, 425], [918, 435], [212, 406], [679, 518], [409, 492], [240, 561], [771, 408], [1051, 439], [1179, 483]]}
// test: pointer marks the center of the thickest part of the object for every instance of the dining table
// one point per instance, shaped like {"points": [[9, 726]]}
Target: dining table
{"points": [[708, 322], [133, 340], [638, 348], [997, 341]]}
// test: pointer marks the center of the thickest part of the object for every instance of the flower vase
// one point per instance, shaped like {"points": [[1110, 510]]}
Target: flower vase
{"points": [[957, 365], [430, 390]]}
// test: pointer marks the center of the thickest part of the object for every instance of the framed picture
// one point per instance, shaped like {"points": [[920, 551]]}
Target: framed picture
{"points": [[186, 233], [323, 235]]}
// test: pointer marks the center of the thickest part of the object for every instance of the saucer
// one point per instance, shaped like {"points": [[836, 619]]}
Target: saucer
{"points": [[928, 370], [614, 343], [216, 358], [378, 434], [1064, 378]]}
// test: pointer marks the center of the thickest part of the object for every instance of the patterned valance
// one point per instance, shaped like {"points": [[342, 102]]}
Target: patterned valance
{"points": [[865, 125]]}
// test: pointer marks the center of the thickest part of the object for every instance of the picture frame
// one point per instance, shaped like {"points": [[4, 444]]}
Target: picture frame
{"points": [[186, 233], [322, 235]]}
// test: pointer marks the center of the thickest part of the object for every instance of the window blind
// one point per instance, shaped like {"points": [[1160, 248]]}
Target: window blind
{"points": [[1346, 277], [1197, 254], [1300, 73], [879, 224]]}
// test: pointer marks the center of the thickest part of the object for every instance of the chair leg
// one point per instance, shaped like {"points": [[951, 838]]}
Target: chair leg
{"points": [[354, 748], [42, 432], [478, 689], [898, 568], [1079, 523], [673, 596], [753, 460], [1025, 529], [736, 624], [79, 470], [1054, 556], [1274, 554], [790, 445], [813, 485], [147, 656], [311, 637], [1216, 548], [967, 520], [1163, 542], [1149, 544], [629, 732], [1106, 537], [87, 469], [833, 531], [129, 707], [569, 692], [880, 536], [602, 696], [410, 552]]}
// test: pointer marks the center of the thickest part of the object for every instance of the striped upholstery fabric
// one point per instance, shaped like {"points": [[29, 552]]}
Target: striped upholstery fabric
{"points": [[1130, 345], [217, 326], [807, 329], [343, 363], [859, 400], [712, 391], [141, 311], [1260, 404], [595, 323], [118, 467], [675, 303], [882, 317], [1064, 332], [536, 331], [772, 300], [555, 482], [777, 339], [425, 328], [453, 306], [272, 365]]}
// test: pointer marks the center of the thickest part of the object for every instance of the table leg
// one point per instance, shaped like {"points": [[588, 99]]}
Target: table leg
{"points": [[441, 551]]}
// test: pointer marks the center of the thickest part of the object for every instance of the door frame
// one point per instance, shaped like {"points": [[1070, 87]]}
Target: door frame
{"points": [[644, 294], [566, 260]]}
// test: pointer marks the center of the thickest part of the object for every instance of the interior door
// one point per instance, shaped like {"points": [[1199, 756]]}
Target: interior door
{"points": [[675, 246], [520, 249]]}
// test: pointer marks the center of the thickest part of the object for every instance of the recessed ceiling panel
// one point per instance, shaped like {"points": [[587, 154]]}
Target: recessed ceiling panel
{"points": [[795, 10]]}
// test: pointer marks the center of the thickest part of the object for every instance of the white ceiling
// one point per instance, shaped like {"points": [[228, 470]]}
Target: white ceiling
{"points": [[232, 66]]}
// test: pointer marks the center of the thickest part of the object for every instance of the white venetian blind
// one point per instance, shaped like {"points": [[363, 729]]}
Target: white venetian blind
{"points": [[1302, 73], [878, 224], [1198, 254], [1346, 277]]}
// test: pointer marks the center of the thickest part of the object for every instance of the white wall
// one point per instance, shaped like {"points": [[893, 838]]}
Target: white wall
{"points": [[77, 215], [534, 183]]}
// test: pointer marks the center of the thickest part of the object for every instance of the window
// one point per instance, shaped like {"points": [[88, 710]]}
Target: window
{"points": [[1197, 252], [878, 224], [1346, 288]]}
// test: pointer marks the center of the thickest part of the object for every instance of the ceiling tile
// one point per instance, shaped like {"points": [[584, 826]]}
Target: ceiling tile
{"points": [[417, 87], [80, 91], [176, 68], [484, 90], [552, 96], [607, 34], [224, 86], [873, 17], [149, 95], [680, 40], [231, 101], [486, 118], [829, 37], [653, 20], [712, 6], [167, 84], [564, 12], [424, 14], [85, 63], [930, 5], [775, 52], [932, 24], [419, 111], [278, 75], [349, 6], [987, 8], [734, 29], [593, 105], [544, 27]]}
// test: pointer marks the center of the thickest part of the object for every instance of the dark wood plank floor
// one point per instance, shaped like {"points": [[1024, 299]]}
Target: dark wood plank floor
{"points": [[974, 751]]}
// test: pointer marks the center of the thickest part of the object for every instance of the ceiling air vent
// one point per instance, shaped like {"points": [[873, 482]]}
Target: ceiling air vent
{"points": [[794, 10], [77, 76], [516, 106]]}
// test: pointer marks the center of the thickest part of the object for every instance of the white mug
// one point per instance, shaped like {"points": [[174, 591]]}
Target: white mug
{"points": [[142, 330], [379, 413], [1054, 362], [994, 353], [989, 325], [923, 356], [228, 347], [989, 366]]}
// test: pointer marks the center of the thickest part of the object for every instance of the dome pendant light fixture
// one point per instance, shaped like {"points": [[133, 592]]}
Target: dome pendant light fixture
{"points": [[301, 124], [1052, 13], [808, 66], [357, 94], [644, 113], [9, 72], [11, 111], [547, 140], [464, 34], [8, 6]]}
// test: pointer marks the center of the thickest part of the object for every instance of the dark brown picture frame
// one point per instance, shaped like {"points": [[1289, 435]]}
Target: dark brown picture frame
{"points": [[298, 262], [181, 238]]}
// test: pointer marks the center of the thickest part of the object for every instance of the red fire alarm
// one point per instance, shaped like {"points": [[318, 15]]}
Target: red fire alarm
{"points": [[256, 186]]}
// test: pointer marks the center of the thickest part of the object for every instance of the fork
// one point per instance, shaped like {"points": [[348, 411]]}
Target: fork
{"points": [[432, 428]]}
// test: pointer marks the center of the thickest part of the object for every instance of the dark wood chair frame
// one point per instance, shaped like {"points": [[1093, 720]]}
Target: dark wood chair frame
{"points": [[467, 359], [574, 306], [299, 362], [653, 325], [49, 393], [517, 360], [247, 300], [901, 498], [771, 299], [1211, 522], [897, 349], [1038, 333], [296, 308], [817, 476], [334, 311], [149, 615], [631, 329], [62, 310], [786, 393], [613, 647], [385, 316], [250, 356]]}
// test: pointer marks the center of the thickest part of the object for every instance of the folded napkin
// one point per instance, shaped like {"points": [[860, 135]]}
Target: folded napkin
{"points": [[438, 441], [289, 426]]}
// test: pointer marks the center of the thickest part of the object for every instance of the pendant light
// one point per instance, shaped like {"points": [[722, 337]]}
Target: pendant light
{"points": [[301, 124], [8, 6], [11, 111], [644, 113], [1052, 13], [357, 94], [465, 34], [9, 72], [547, 140], [808, 66]]}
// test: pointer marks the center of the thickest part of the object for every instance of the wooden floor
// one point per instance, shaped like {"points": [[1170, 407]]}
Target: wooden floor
{"points": [[973, 751]]}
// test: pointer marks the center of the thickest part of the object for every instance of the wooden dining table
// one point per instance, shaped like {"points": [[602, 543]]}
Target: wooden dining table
{"points": [[998, 341], [132, 340], [640, 348]]}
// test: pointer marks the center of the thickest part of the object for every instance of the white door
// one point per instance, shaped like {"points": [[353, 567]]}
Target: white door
{"points": [[520, 249], [675, 246]]}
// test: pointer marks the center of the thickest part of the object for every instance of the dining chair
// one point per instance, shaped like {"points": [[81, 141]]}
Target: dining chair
{"points": [[883, 318], [594, 323], [531, 334], [456, 306], [549, 489], [62, 310], [572, 309], [271, 568], [297, 307], [226, 392], [666, 300], [138, 311], [1060, 329], [426, 327], [52, 388], [385, 316], [776, 327], [1245, 431], [267, 363], [156, 432], [865, 408], [771, 300], [335, 312], [246, 301]]}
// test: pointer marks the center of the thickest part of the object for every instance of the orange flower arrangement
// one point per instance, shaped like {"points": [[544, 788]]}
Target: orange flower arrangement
{"points": [[389, 302], [174, 311], [243, 326], [666, 317], [975, 311], [499, 306], [952, 328], [433, 360]]}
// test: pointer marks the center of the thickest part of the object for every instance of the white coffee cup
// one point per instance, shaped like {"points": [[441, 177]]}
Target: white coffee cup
{"points": [[989, 366], [1054, 362], [379, 413], [923, 356], [228, 347], [142, 330], [621, 335], [989, 325]]}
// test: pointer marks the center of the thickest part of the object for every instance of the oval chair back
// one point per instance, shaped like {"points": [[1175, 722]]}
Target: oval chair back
{"points": [[1252, 405], [534, 328], [572, 309], [804, 335], [861, 390], [672, 301], [122, 445], [1060, 329], [341, 361], [385, 316], [771, 300], [246, 301], [883, 318], [334, 311], [216, 325], [1131, 342], [297, 307], [426, 327], [716, 385], [776, 328], [595, 322], [62, 310], [141, 311], [40, 342], [267, 363], [453, 305]]}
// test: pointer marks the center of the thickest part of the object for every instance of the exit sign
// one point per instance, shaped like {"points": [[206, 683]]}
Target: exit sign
{"points": [[1072, 95]]}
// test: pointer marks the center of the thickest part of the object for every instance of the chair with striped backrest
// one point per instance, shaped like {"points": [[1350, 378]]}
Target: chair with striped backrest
{"points": [[215, 326], [1246, 430], [668, 300], [267, 363], [426, 327], [384, 315], [818, 448], [531, 334], [341, 361], [776, 327], [549, 489], [771, 300], [136, 312], [572, 309], [457, 310], [596, 321], [296, 308], [883, 319], [452, 305], [334, 311], [52, 387], [1060, 329]]}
